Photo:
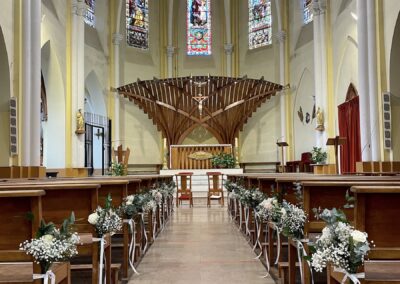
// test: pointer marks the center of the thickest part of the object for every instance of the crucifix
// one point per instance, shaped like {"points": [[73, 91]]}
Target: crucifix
{"points": [[200, 99]]}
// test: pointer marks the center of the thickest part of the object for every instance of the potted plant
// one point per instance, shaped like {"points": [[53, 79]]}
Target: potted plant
{"points": [[223, 160], [318, 155]]}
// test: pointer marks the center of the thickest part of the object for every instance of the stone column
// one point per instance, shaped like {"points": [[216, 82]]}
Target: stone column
{"points": [[26, 84], [116, 39], [170, 47], [363, 88], [320, 66], [36, 19], [228, 47], [78, 79], [170, 60], [373, 81]]}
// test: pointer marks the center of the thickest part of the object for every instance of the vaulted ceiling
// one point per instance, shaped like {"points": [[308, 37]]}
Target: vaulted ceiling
{"points": [[220, 104]]}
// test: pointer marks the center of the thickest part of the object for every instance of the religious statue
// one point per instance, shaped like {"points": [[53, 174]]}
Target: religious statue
{"points": [[80, 123], [320, 120]]}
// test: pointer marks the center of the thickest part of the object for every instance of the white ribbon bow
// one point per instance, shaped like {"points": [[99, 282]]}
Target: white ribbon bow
{"points": [[353, 277], [102, 247], [258, 233], [132, 245], [48, 275], [247, 219], [266, 252]]}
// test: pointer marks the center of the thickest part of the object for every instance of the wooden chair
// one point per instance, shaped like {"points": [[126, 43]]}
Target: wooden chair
{"points": [[184, 188], [215, 188], [15, 265]]}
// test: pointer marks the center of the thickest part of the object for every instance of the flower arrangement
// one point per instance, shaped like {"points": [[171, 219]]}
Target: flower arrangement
{"points": [[340, 244], [107, 219], [250, 197], [166, 189], [318, 155], [117, 169], [264, 208], [223, 160], [52, 244], [293, 219]]}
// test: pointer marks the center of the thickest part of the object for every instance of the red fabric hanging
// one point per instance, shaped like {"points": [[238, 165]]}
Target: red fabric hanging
{"points": [[349, 127]]}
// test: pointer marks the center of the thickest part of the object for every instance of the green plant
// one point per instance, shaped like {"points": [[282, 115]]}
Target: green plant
{"points": [[223, 160], [318, 155], [117, 169]]}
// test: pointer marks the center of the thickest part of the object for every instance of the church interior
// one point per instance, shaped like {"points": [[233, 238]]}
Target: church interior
{"points": [[200, 141]]}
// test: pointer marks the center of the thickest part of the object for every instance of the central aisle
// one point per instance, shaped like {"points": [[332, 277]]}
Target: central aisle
{"points": [[200, 245]]}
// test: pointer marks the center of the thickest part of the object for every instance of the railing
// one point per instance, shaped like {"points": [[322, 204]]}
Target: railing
{"points": [[195, 156]]}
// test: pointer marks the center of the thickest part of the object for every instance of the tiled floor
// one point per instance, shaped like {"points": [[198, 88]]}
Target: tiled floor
{"points": [[200, 245]]}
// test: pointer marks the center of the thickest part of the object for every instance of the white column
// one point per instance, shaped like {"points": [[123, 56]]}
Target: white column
{"points": [[117, 38], [228, 47], [170, 60], [323, 96], [26, 84], [36, 16], [373, 81], [318, 65], [362, 39], [170, 47], [78, 79], [281, 37]]}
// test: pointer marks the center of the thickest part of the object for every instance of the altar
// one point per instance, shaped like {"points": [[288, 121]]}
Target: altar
{"points": [[188, 157]]}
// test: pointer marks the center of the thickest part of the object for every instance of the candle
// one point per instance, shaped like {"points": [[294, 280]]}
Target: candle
{"points": [[236, 142], [165, 143]]}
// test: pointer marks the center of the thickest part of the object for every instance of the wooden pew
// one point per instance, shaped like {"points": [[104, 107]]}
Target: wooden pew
{"points": [[376, 212], [15, 265], [57, 204]]}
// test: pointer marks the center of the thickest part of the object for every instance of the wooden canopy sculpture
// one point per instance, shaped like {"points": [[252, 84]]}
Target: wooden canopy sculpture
{"points": [[220, 104]]}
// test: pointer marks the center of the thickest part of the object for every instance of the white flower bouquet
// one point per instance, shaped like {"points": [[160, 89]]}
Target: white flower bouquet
{"points": [[166, 189], [340, 244], [106, 220], [251, 197], [293, 219], [264, 208], [52, 244]]}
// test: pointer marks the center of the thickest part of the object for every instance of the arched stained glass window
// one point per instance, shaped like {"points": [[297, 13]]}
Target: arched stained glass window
{"points": [[137, 23], [90, 18], [307, 11], [260, 20], [198, 20]]}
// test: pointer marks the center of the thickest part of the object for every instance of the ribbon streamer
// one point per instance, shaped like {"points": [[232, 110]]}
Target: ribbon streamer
{"points": [[353, 277], [247, 219], [278, 242], [132, 245], [154, 218], [48, 275], [144, 231], [266, 252], [300, 249], [240, 216], [258, 233], [102, 245]]}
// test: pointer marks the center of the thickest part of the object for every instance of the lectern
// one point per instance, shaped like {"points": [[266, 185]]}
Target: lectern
{"points": [[336, 142], [282, 145]]}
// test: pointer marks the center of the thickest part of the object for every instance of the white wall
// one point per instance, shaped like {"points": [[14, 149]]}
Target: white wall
{"points": [[4, 103]]}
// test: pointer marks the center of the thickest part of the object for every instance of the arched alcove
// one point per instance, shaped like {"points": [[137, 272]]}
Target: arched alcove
{"points": [[53, 145], [94, 95], [395, 89], [4, 103]]}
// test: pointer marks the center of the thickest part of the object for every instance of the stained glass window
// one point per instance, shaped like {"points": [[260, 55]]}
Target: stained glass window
{"points": [[90, 18], [307, 11], [260, 20], [137, 23], [198, 27]]}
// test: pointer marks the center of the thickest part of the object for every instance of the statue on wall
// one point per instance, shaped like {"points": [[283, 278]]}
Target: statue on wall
{"points": [[80, 123], [320, 120]]}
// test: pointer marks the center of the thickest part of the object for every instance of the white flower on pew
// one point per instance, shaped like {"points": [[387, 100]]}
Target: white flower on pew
{"points": [[359, 237], [93, 218], [48, 238], [340, 244]]}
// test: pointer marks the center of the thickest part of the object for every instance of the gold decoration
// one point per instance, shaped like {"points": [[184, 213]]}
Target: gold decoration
{"points": [[200, 155], [320, 120], [80, 123]]}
